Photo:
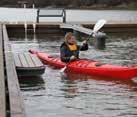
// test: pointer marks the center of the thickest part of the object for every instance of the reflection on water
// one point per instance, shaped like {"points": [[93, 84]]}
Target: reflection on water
{"points": [[80, 96], [69, 88], [31, 83]]}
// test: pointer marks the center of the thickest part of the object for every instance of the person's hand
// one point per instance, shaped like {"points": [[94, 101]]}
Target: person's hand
{"points": [[72, 58]]}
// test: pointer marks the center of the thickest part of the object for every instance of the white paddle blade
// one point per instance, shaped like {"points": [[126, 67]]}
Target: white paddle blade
{"points": [[63, 69], [99, 25]]}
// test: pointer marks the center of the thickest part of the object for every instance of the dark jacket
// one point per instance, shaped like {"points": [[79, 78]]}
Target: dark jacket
{"points": [[66, 53]]}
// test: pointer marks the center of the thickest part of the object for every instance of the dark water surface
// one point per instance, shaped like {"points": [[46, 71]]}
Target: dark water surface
{"points": [[53, 96]]}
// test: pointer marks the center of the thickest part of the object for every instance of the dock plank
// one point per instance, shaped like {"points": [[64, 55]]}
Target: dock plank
{"points": [[36, 60], [29, 60], [15, 97], [17, 60], [23, 60], [2, 80]]}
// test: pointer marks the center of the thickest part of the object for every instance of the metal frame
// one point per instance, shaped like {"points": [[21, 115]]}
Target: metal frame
{"points": [[62, 14]]}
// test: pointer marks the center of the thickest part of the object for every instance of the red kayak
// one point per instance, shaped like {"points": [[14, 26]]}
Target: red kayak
{"points": [[90, 67]]}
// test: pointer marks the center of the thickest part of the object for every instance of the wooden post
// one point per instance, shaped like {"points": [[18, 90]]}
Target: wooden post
{"points": [[100, 40], [2, 79]]}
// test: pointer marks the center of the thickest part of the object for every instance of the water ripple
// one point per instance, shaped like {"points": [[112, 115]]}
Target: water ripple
{"points": [[53, 96]]}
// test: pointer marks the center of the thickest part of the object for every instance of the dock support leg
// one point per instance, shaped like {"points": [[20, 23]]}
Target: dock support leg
{"points": [[64, 16], [38, 15]]}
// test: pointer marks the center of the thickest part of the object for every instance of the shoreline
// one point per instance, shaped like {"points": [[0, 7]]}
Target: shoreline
{"points": [[122, 6]]}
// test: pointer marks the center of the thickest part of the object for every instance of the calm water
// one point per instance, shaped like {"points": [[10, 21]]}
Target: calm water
{"points": [[53, 96]]}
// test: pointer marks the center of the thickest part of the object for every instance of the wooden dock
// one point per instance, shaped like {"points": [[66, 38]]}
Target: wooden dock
{"points": [[28, 64], [11, 102], [54, 28], [2, 80], [116, 21]]}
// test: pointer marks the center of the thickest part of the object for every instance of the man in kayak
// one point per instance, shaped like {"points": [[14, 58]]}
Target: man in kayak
{"points": [[69, 50]]}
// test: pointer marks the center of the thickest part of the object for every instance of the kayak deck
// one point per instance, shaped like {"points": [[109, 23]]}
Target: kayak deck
{"points": [[93, 68]]}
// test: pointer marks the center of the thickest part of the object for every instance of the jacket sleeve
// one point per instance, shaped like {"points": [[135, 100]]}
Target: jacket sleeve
{"points": [[83, 47], [63, 56]]}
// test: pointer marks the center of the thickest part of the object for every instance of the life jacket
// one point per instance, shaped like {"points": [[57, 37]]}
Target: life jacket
{"points": [[72, 47], [69, 50]]}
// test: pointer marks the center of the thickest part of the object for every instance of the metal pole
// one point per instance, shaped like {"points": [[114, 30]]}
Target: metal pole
{"points": [[38, 15], [64, 16]]}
